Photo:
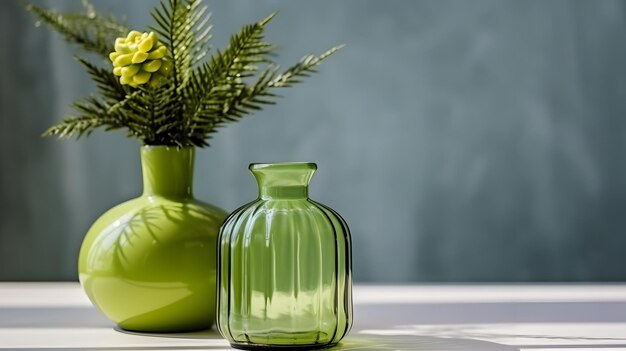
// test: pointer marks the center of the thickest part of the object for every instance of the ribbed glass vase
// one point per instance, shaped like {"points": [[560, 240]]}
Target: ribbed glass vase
{"points": [[284, 266]]}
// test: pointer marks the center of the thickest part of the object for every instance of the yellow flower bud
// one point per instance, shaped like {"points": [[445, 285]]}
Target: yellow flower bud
{"points": [[126, 80], [139, 57], [153, 36], [158, 53], [130, 70], [141, 77], [114, 55], [151, 66], [121, 46], [123, 60], [132, 35], [145, 45]]}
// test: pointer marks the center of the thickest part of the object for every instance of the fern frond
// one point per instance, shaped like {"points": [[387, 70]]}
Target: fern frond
{"points": [[218, 84], [245, 51], [175, 24], [92, 116], [261, 92], [239, 102], [302, 69], [91, 32], [203, 35], [108, 84], [74, 126], [199, 97]]}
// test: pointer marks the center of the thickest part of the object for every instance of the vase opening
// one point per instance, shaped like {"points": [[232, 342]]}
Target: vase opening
{"points": [[286, 180]]}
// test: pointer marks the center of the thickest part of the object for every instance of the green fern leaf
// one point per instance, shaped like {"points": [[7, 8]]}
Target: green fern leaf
{"points": [[91, 32]]}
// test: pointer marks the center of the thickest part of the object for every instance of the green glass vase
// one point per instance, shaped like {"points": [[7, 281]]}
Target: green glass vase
{"points": [[284, 270], [149, 264]]}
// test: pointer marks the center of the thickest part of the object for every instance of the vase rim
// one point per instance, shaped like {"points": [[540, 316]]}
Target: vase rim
{"points": [[283, 165], [147, 147]]}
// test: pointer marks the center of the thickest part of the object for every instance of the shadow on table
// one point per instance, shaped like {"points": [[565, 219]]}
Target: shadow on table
{"points": [[468, 333], [357, 341], [401, 337], [200, 334], [425, 343]]}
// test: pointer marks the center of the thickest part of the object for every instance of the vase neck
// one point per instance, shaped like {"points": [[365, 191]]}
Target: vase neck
{"points": [[167, 171], [283, 180]]}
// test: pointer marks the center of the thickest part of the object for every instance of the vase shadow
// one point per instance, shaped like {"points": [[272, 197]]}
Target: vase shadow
{"points": [[367, 342], [199, 334], [419, 343]]}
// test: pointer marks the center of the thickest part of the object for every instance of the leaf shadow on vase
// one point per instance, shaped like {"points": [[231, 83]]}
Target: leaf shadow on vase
{"points": [[160, 252], [144, 218], [159, 229]]}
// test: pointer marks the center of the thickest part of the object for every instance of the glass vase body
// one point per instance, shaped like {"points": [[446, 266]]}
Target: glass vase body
{"points": [[284, 270], [149, 264]]}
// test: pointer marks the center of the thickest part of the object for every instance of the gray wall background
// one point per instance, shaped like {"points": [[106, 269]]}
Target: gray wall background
{"points": [[461, 140]]}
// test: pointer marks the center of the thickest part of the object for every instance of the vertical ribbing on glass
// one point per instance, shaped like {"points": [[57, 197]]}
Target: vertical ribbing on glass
{"points": [[284, 266]]}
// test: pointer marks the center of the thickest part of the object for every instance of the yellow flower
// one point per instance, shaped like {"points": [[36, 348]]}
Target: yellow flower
{"points": [[140, 58]]}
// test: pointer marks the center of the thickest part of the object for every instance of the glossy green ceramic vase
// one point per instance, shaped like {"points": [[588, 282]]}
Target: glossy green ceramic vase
{"points": [[149, 264], [284, 270]]}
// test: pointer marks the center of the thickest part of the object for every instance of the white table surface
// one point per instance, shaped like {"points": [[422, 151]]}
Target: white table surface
{"points": [[58, 316]]}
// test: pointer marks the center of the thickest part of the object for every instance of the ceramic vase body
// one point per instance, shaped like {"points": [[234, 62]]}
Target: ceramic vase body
{"points": [[149, 264], [284, 270]]}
